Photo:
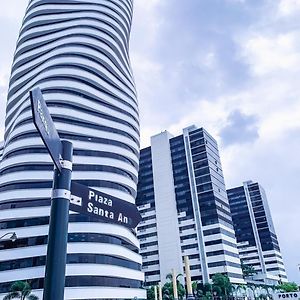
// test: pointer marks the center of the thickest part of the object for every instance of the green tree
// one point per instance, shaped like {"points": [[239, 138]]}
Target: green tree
{"points": [[20, 290], [168, 287], [150, 293], [217, 290], [167, 291], [222, 285], [288, 287], [248, 270], [195, 287], [203, 291], [204, 295]]}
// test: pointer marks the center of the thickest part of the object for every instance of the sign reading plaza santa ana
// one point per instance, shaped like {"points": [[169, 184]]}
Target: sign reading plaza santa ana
{"points": [[103, 206]]}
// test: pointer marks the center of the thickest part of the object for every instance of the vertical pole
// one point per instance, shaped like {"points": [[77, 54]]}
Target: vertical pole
{"points": [[155, 292], [160, 291], [175, 292], [190, 295], [58, 228]]}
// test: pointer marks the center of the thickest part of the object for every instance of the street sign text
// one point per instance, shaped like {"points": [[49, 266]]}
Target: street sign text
{"points": [[103, 206]]}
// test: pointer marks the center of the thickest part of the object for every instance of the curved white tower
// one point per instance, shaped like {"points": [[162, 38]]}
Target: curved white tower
{"points": [[76, 51]]}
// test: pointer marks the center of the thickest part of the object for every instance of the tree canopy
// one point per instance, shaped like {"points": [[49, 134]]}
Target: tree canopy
{"points": [[168, 287], [20, 290], [288, 287], [247, 270], [221, 285]]}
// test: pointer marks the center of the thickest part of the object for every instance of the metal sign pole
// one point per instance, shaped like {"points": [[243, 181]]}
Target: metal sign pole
{"points": [[58, 228]]}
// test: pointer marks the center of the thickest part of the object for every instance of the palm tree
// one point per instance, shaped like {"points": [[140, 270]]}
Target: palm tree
{"points": [[170, 276], [194, 287], [203, 291], [20, 290], [248, 270], [222, 285], [168, 287], [151, 293]]}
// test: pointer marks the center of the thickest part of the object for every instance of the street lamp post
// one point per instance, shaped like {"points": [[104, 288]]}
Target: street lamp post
{"points": [[13, 236], [190, 295]]}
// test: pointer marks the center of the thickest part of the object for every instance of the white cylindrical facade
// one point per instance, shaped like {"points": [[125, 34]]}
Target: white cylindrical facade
{"points": [[76, 51]]}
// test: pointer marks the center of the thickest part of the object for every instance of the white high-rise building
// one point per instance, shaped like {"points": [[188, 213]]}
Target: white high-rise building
{"points": [[183, 202], [76, 51]]}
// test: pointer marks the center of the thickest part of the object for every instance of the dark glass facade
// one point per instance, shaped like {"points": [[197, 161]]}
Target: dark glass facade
{"points": [[255, 233], [242, 220], [210, 184], [145, 188], [267, 236], [181, 177], [241, 216]]}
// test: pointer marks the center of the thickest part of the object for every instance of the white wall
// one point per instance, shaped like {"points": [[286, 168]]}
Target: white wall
{"points": [[165, 203]]}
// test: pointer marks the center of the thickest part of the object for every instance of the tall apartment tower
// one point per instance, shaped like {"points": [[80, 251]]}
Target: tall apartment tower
{"points": [[184, 206], [77, 53], [257, 241], [1, 149]]}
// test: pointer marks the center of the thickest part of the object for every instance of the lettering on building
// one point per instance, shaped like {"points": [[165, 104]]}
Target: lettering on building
{"points": [[289, 295]]}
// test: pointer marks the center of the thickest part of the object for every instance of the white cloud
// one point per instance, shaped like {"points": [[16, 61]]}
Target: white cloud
{"points": [[288, 7], [13, 9], [11, 14], [267, 54], [145, 23], [272, 53], [280, 122], [208, 60]]}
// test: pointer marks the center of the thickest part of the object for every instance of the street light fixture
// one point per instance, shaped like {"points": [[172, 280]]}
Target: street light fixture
{"points": [[13, 236]]}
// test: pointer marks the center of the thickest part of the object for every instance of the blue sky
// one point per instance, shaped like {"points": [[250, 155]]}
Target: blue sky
{"points": [[231, 66]]}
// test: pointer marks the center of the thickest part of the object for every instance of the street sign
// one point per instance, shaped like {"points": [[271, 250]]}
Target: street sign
{"points": [[103, 206], [44, 124]]}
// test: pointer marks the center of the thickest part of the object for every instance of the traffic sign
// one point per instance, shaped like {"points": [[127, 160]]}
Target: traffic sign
{"points": [[103, 206], [45, 125]]}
